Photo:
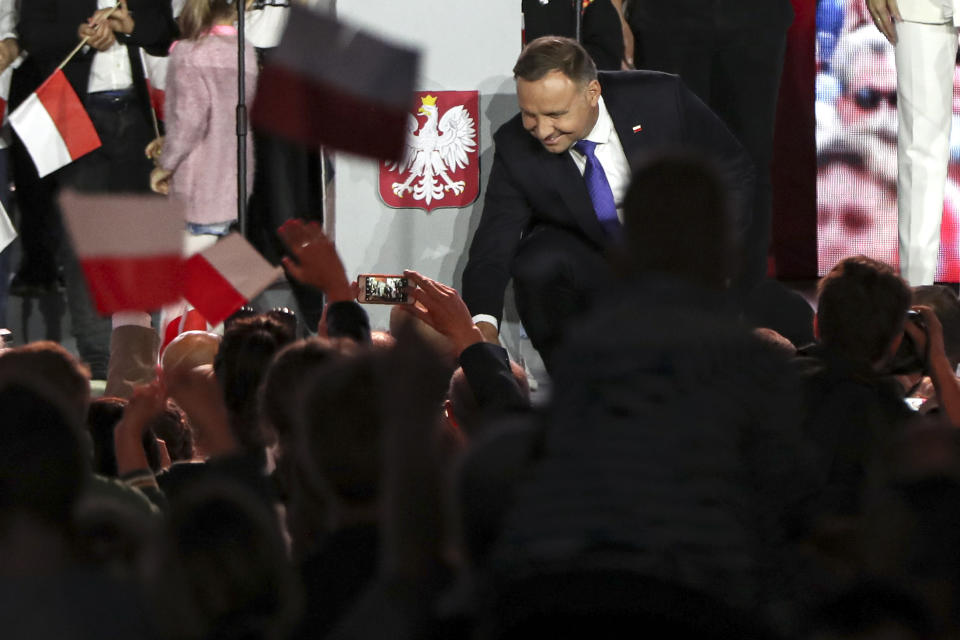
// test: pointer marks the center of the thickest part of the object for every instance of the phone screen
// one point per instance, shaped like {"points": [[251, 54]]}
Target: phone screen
{"points": [[384, 289]]}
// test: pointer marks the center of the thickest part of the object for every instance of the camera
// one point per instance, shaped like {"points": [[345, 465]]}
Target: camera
{"points": [[910, 357]]}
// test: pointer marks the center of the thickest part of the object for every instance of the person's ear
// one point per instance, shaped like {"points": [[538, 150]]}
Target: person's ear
{"points": [[448, 414], [593, 92]]}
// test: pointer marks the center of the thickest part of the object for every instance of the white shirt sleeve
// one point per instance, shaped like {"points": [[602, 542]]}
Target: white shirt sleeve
{"points": [[483, 317], [8, 19]]}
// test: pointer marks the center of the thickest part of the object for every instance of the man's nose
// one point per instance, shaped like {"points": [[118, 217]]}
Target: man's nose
{"points": [[543, 129]]}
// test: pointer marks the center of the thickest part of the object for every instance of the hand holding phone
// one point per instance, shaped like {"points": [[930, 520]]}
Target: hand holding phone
{"points": [[442, 308]]}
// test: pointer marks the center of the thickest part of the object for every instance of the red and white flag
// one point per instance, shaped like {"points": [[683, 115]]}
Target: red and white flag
{"points": [[53, 125], [221, 279], [7, 233], [184, 319], [5, 78], [129, 247], [329, 84], [155, 73]]}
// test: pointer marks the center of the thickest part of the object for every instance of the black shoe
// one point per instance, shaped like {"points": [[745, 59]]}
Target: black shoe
{"points": [[23, 288]]}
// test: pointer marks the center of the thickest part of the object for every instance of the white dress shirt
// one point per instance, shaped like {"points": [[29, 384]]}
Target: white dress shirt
{"points": [[110, 69], [609, 152]]}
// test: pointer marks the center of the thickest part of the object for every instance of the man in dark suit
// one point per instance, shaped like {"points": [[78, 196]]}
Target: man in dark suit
{"points": [[108, 76], [560, 171]]}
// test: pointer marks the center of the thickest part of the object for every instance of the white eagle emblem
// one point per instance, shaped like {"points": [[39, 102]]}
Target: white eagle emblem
{"points": [[433, 151]]}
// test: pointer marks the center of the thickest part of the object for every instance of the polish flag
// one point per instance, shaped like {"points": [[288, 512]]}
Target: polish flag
{"points": [[155, 73], [329, 84], [5, 78], [53, 125], [7, 232], [189, 319], [221, 279], [129, 247]]}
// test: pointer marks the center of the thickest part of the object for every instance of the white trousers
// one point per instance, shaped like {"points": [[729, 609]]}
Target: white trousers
{"points": [[925, 56]]}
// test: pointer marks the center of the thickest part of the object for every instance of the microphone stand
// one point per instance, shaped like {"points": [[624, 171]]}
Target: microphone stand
{"points": [[241, 120], [578, 21], [242, 105]]}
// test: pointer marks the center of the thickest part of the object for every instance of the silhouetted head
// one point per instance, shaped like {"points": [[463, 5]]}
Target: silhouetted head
{"points": [[676, 220]]}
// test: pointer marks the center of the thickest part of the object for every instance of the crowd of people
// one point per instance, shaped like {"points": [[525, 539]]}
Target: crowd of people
{"points": [[691, 475], [703, 468]]}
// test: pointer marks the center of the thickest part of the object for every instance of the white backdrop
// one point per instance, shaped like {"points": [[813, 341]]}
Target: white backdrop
{"points": [[465, 45]]}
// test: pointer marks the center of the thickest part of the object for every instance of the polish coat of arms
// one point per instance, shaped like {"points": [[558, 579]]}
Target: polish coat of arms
{"points": [[440, 162]]}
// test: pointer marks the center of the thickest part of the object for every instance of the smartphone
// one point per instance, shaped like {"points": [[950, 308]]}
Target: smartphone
{"points": [[378, 288]]}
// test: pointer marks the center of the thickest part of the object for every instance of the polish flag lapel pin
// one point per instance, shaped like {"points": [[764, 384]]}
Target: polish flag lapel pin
{"points": [[637, 128]]}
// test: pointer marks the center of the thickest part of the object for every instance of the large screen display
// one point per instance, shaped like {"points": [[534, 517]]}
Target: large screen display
{"points": [[857, 144]]}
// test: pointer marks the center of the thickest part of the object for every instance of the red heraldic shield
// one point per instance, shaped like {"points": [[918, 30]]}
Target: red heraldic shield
{"points": [[440, 165]]}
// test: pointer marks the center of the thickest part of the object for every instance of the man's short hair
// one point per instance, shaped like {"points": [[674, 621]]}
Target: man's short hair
{"points": [[862, 307], [50, 362], [554, 53]]}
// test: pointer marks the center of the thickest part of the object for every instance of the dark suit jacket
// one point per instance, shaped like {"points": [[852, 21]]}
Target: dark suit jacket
{"points": [[530, 186], [47, 30], [601, 33], [773, 15]]}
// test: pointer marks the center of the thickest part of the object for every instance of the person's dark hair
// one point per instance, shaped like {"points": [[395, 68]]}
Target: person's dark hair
{"points": [[290, 370], [676, 219], [946, 305], [102, 418], [245, 352], [224, 570], [43, 463], [173, 427], [554, 53], [341, 429], [56, 366], [862, 306]]}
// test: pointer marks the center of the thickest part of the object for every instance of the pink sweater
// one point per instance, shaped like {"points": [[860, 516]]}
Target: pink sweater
{"points": [[201, 140]]}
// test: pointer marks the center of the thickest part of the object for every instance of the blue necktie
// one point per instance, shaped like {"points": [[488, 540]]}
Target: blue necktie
{"points": [[597, 186]]}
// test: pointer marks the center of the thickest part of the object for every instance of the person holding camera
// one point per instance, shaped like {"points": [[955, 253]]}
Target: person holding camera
{"points": [[854, 403], [926, 365]]}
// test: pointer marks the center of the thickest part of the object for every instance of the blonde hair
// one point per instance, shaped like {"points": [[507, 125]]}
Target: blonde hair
{"points": [[199, 16]]}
